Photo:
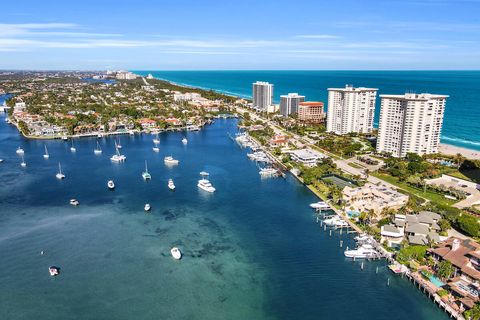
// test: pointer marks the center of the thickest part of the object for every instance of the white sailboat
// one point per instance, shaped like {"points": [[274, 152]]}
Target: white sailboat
{"points": [[119, 146], [117, 157], [23, 163], [72, 148], [184, 140], [155, 147], [60, 174], [171, 185], [156, 140], [97, 150], [146, 175], [204, 184], [20, 151], [46, 155]]}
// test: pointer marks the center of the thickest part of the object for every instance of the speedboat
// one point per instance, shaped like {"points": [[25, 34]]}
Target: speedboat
{"points": [[20, 151], [176, 253], [54, 271], [341, 224], [362, 237], [333, 221], [170, 160], [145, 174], [171, 185], [268, 172], [74, 202], [60, 174], [363, 252], [110, 184], [184, 140], [319, 205], [46, 155], [97, 150], [1, 160], [147, 207], [204, 184]]}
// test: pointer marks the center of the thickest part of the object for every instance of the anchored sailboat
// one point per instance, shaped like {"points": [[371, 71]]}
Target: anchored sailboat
{"points": [[145, 174], [46, 155], [97, 150], [60, 174]]}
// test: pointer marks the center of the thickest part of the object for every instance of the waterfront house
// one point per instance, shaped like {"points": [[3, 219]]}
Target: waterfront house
{"points": [[307, 157], [278, 140], [147, 123]]}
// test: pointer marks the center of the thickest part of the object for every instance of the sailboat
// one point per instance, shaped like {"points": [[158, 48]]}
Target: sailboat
{"points": [[117, 157], [60, 175], [72, 148], [184, 140], [97, 150], [46, 155], [156, 140], [119, 146], [145, 174], [156, 148], [23, 163]]}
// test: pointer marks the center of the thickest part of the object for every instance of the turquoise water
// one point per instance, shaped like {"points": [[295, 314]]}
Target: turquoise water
{"points": [[461, 115], [252, 250]]}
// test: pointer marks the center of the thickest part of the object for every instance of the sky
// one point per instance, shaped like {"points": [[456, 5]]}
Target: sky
{"points": [[240, 35]]}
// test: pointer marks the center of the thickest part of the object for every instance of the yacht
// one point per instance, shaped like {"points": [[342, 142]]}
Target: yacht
{"points": [[97, 150], [319, 205], [156, 140], [60, 175], [46, 155], [117, 144], [54, 271], [363, 252], [147, 207], [204, 184], [20, 151], [74, 202], [268, 172], [176, 253], [145, 174], [117, 157], [362, 238], [332, 222], [171, 185], [170, 160], [64, 138], [110, 184], [23, 163], [72, 148], [99, 135], [1, 160], [184, 140]]}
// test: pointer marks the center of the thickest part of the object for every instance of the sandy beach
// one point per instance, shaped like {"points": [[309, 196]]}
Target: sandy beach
{"points": [[453, 150]]}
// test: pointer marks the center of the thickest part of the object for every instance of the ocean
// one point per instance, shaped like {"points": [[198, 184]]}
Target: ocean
{"points": [[252, 250], [462, 113]]}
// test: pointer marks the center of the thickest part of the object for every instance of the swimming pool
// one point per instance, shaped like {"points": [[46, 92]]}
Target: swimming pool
{"points": [[436, 281]]}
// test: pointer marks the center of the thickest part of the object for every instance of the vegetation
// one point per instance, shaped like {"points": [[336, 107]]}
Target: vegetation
{"points": [[408, 253], [445, 269]]}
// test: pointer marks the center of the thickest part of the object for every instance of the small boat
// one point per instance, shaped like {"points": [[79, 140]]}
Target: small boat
{"points": [[268, 172], [146, 175], [204, 184], [147, 207], [20, 151], [54, 271], [117, 157], [171, 185], [331, 222], [156, 148], [64, 138], [184, 140], [319, 205], [99, 135], [363, 252], [362, 237], [110, 184], [97, 150], [170, 160], [1, 160], [74, 202], [23, 163], [46, 155], [60, 175], [118, 145], [156, 140], [176, 253], [72, 148]]}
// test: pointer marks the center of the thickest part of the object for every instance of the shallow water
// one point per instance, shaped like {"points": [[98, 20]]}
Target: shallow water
{"points": [[252, 250]]}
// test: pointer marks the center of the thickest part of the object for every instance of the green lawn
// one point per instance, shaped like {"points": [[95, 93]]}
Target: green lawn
{"points": [[432, 196]]}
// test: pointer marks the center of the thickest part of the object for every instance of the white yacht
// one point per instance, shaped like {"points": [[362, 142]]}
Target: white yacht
{"points": [[156, 140], [171, 185], [268, 172], [97, 150], [333, 221], [146, 175], [46, 155], [64, 138], [204, 184], [54, 271], [319, 205], [147, 207], [111, 184], [363, 252], [74, 202], [155, 147], [23, 163], [1, 160], [72, 148], [184, 140], [117, 144], [20, 151], [60, 174], [117, 157], [176, 253], [169, 160]]}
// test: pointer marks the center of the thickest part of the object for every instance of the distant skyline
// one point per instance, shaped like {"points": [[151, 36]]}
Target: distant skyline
{"points": [[241, 35]]}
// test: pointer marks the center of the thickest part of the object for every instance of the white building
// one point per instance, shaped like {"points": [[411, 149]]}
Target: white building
{"points": [[189, 96], [351, 109], [262, 95], [289, 103], [125, 75], [307, 157], [410, 123]]}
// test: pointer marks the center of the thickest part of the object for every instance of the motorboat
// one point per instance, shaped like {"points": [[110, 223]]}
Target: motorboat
{"points": [[20, 151], [146, 175], [362, 237], [268, 172], [46, 155], [170, 160], [54, 271], [319, 205], [341, 224], [74, 202], [65, 138], [331, 222], [176, 253], [60, 174], [184, 140], [117, 157], [1, 160], [171, 185], [363, 252], [111, 184], [204, 183], [72, 148], [147, 207], [99, 135], [97, 150]]}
